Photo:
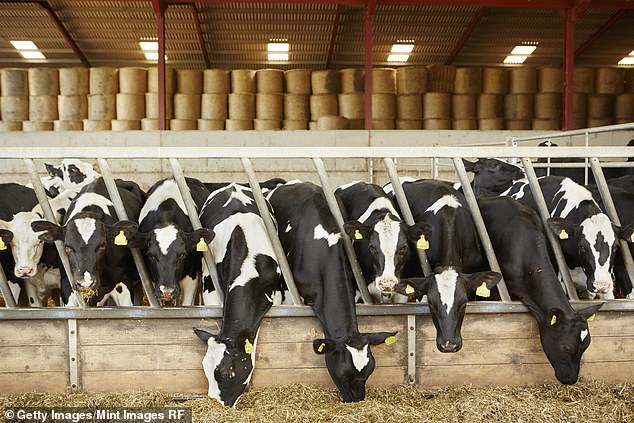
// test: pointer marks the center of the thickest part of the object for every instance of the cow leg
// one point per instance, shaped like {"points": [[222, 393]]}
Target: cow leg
{"points": [[189, 286], [34, 289], [121, 295]]}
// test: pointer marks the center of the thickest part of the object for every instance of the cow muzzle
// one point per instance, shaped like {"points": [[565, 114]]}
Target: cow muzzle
{"points": [[25, 271], [449, 346], [167, 295], [386, 284], [602, 286]]}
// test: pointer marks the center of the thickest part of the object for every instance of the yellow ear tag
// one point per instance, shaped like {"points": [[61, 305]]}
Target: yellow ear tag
{"points": [[483, 291], [591, 318], [409, 289], [202, 245], [321, 347], [632, 237], [422, 243], [3, 246], [390, 340], [248, 347], [357, 234], [120, 239], [553, 320], [563, 234]]}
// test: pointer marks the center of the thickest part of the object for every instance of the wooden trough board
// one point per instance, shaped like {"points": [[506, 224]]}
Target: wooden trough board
{"points": [[164, 354]]}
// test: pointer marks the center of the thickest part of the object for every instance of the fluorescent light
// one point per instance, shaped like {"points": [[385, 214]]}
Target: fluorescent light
{"points": [[149, 45], [515, 60], [276, 57], [627, 61], [523, 50], [32, 54], [631, 53], [151, 55], [24, 45], [397, 57], [402, 48], [277, 47]]}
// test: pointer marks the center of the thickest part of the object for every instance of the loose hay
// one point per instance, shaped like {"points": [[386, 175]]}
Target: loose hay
{"points": [[549, 402]]}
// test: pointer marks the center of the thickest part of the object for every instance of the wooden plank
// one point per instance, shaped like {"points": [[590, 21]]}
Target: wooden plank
{"points": [[382, 377], [484, 375], [18, 383], [182, 381], [33, 332], [608, 371], [33, 358]]}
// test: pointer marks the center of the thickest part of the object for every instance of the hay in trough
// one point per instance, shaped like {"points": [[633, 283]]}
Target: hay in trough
{"points": [[551, 402]]}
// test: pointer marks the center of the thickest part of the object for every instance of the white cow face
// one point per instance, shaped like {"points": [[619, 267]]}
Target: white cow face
{"points": [[26, 246]]}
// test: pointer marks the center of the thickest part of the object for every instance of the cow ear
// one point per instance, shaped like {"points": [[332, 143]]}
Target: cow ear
{"points": [[52, 232], [324, 346], [245, 341], [356, 230], [416, 287], [53, 170], [4, 224], [589, 311], [555, 317], [193, 238], [418, 229], [378, 338], [627, 233], [6, 236], [561, 227], [203, 334], [489, 278]]}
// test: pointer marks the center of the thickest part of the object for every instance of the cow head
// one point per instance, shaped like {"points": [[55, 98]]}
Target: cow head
{"points": [[350, 361], [26, 245], [564, 340], [73, 174], [228, 364], [492, 175], [167, 248], [447, 294]]}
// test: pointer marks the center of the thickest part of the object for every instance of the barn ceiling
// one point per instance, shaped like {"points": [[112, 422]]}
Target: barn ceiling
{"points": [[235, 34]]}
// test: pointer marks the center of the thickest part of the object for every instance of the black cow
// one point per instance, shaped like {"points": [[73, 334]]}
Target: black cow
{"points": [[492, 176], [310, 236]]}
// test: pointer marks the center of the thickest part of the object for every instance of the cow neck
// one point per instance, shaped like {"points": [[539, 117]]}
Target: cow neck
{"points": [[450, 242], [545, 291], [241, 313], [585, 209]]}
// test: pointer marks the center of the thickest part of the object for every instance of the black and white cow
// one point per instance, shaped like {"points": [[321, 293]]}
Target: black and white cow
{"points": [[381, 238], [250, 278], [168, 242], [98, 268], [493, 176], [70, 174]]}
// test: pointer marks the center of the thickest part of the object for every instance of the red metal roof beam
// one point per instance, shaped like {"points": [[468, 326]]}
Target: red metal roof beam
{"points": [[201, 37], [62, 30], [599, 33], [333, 36], [475, 21]]}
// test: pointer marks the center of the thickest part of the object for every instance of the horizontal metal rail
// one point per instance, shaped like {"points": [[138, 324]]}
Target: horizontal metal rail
{"points": [[563, 134]]}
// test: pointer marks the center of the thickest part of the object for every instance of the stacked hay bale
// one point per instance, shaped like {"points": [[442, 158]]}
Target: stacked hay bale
{"points": [[495, 86], [187, 99], [269, 100], [130, 99], [72, 101], [14, 101], [151, 120], [609, 82], [467, 87], [297, 99], [518, 104], [324, 103], [583, 86], [437, 101], [103, 88], [213, 108], [548, 101], [383, 98], [241, 100], [411, 84], [43, 89], [624, 107], [351, 100]]}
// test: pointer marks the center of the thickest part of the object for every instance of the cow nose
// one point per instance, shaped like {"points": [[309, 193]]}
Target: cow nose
{"points": [[386, 284], [87, 282], [448, 346], [602, 287], [24, 271]]}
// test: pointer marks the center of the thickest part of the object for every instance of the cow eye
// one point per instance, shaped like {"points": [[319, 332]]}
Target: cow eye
{"points": [[567, 349]]}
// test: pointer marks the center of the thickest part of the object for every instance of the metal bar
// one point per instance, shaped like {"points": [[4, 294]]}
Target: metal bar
{"points": [[475, 21], [49, 215], [368, 43], [199, 34], [192, 213], [564, 134], [609, 24], [569, 66], [272, 231], [411, 349], [610, 209], [579, 165], [64, 32], [333, 36], [9, 301], [73, 356], [542, 208], [119, 208], [347, 243], [480, 227], [401, 199]]}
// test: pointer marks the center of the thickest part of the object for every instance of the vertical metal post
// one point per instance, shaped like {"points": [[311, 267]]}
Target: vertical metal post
{"points": [[405, 210], [9, 301], [370, 171], [73, 359], [119, 208], [347, 243], [49, 215], [545, 214], [434, 167], [610, 209], [480, 227], [192, 213], [585, 168], [272, 231], [411, 349]]}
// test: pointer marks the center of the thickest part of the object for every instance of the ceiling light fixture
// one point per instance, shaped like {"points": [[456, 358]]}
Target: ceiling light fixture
{"points": [[24, 45], [149, 45], [629, 60], [402, 48], [515, 60], [523, 50], [278, 57], [398, 58], [277, 47]]}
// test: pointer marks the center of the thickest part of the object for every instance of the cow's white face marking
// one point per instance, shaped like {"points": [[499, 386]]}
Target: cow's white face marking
{"points": [[165, 236], [346, 186], [573, 194], [380, 203], [86, 227], [288, 227], [448, 200], [583, 335], [167, 190], [599, 225], [332, 238], [90, 199], [446, 282], [360, 358], [388, 231], [213, 358], [390, 189], [293, 182]]}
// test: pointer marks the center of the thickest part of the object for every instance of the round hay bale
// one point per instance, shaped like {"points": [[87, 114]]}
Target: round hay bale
{"points": [[437, 106], [495, 81], [409, 107], [490, 106], [216, 81], [149, 124], [298, 81], [629, 80], [624, 107], [214, 107], [600, 106], [189, 81], [327, 123], [187, 106], [468, 81], [14, 82], [295, 125], [30, 126], [152, 80], [594, 122], [297, 107], [523, 80], [463, 106], [492, 124], [437, 123], [243, 82], [518, 107], [383, 81], [103, 80], [409, 124], [411, 80], [72, 107], [610, 81], [241, 107], [352, 106], [356, 123], [519, 124], [43, 81], [441, 78], [43, 108], [96, 125], [211, 124], [580, 106], [73, 81], [547, 106], [325, 82], [269, 107], [584, 80], [152, 106], [312, 125], [323, 105], [68, 125], [130, 107], [464, 124], [10, 126], [125, 125], [352, 80], [183, 125], [550, 79], [546, 124], [384, 106], [132, 80], [14, 108], [269, 81], [238, 125], [101, 106], [383, 124], [267, 124]]}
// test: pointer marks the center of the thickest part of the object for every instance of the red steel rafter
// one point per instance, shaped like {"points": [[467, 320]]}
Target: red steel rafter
{"points": [[64, 32], [333, 36], [599, 33], [475, 21], [201, 37]]}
